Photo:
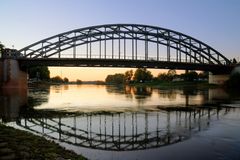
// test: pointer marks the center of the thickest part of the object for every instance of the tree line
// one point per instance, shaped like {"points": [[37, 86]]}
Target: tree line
{"points": [[142, 75], [42, 73]]}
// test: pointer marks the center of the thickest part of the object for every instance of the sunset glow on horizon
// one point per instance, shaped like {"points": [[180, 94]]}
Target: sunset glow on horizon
{"points": [[93, 73]]}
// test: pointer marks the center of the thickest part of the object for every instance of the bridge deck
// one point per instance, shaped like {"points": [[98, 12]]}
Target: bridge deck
{"points": [[84, 62]]}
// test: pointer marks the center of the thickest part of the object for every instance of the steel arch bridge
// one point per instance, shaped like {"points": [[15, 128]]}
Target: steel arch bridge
{"points": [[124, 45]]}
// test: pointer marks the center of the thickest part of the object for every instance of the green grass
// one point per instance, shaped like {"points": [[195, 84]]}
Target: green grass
{"points": [[36, 147]]}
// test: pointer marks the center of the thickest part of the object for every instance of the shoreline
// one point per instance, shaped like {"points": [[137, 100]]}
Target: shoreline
{"points": [[146, 84], [19, 144]]}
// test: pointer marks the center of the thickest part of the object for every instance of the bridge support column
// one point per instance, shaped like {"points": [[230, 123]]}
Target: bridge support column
{"points": [[218, 78], [11, 76]]}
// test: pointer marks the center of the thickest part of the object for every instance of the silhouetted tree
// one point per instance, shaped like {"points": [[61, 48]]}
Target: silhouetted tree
{"points": [[115, 79], [57, 79], [39, 72], [203, 75], [65, 80], [78, 81], [163, 77], [142, 75], [190, 76], [128, 76], [234, 81], [1, 47], [171, 74], [234, 61]]}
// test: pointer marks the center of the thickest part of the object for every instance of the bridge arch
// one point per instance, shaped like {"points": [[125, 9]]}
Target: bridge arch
{"points": [[179, 47]]}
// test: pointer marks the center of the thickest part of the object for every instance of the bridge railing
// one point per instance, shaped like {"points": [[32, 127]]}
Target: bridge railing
{"points": [[114, 57]]}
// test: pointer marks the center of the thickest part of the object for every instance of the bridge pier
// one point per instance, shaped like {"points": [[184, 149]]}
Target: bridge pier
{"points": [[11, 76], [218, 78]]}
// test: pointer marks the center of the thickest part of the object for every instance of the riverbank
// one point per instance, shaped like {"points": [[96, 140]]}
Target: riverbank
{"points": [[180, 84], [163, 84], [17, 144]]}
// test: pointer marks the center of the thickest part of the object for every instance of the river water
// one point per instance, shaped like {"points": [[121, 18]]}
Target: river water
{"points": [[116, 122]]}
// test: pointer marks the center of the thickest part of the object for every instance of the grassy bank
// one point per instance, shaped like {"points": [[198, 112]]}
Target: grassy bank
{"points": [[17, 144]]}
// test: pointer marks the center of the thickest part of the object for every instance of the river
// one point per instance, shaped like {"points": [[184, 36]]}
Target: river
{"points": [[122, 122]]}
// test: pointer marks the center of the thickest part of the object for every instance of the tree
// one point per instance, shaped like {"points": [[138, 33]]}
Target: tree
{"points": [[115, 79], [39, 72], [234, 61], [109, 79], [65, 80], [128, 76], [234, 81], [172, 72], [1, 47], [203, 75], [190, 76], [78, 81], [142, 75], [57, 79], [163, 77]]}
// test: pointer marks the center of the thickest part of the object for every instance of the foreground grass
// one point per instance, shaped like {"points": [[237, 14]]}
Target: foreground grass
{"points": [[28, 146]]}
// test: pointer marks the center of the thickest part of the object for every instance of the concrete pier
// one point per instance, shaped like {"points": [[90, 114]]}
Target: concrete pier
{"points": [[218, 79], [11, 75]]}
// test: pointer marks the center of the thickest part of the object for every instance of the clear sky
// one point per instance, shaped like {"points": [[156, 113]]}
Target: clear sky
{"points": [[215, 22]]}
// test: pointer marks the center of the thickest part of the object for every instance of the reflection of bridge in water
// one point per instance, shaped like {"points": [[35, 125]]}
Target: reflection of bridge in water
{"points": [[124, 131]]}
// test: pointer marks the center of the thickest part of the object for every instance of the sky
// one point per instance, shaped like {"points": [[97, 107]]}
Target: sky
{"points": [[214, 22]]}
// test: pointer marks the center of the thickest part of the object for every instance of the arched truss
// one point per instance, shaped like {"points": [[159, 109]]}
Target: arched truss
{"points": [[179, 47]]}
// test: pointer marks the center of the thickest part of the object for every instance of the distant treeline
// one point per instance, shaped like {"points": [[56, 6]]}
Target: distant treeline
{"points": [[42, 73], [234, 81], [142, 75]]}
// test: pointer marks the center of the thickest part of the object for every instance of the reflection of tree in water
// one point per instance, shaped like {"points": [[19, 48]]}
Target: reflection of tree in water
{"points": [[190, 91], [61, 87], [139, 93], [116, 89], [142, 93], [170, 94], [129, 92], [65, 87], [57, 88], [38, 95]]}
